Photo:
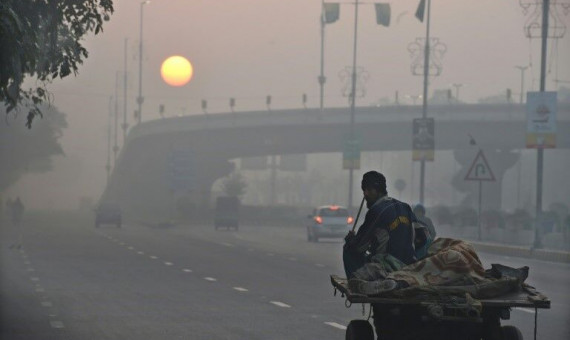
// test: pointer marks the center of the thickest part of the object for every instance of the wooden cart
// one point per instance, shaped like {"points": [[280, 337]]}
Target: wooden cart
{"points": [[443, 317]]}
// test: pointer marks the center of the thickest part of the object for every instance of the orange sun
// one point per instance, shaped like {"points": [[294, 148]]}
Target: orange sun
{"points": [[176, 71]]}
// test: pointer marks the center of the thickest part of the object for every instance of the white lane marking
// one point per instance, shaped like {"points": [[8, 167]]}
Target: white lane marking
{"points": [[336, 325], [121, 243], [47, 304], [40, 290], [27, 262], [227, 244], [250, 249], [153, 257], [280, 304], [56, 324], [319, 265], [31, 270], [270, 254], [526, 310], [210, 279], [168, 263], [131, 248], [187, 270], [292, 259], [140, 252], [240, 289], [34, 278]]}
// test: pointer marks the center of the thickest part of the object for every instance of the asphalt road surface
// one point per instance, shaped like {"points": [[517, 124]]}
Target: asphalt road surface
{"points": [[70, 280]]}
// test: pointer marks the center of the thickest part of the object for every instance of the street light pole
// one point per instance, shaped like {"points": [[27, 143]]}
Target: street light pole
{"points": [[140, 98], [457, 86], [540, 150], [322, 78], [522, 69], [116, 118], [353, 105], [125, 126], [108, 165], [425, 95]]}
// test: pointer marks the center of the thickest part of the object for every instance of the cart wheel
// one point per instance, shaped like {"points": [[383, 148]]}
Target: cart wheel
{"points": [[511, 333], [359, 330]]}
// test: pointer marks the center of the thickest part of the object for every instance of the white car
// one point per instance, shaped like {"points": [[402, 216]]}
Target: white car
{"points": [[331, 221]]}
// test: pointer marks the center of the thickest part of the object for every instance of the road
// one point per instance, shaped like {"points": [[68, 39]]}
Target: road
{"points": [[70, 280]]}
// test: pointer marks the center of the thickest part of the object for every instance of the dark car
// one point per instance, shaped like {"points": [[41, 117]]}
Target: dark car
{"points": [[329, 221], [108, 214]]}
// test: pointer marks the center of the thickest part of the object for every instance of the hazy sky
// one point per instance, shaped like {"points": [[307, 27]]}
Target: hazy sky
{"points": [[248, 49]]}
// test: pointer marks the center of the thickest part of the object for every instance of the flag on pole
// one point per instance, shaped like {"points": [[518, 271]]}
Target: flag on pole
{"points": [[383, 12], [420, 11], [331, 12]]}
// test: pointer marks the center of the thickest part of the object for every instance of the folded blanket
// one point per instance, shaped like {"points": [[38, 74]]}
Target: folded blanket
{"points": [[451, 267]]}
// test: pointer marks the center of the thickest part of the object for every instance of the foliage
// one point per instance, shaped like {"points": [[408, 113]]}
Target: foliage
{"points": [[28, 151], [520, 219], [42, 39], [493, 219], [465, 216], [442, 214], [234, 185]]}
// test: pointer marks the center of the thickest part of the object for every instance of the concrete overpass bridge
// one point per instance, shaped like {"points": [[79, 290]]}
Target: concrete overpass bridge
{"points": [[203, 144]]}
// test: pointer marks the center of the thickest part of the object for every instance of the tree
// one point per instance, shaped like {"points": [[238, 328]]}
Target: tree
{"points": [[27, 151], [234, 185], [42, 39]]}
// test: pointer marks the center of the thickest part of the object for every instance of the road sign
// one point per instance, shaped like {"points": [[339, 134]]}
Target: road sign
{"points": [[541, 110], [480, 169], [423, 139]]}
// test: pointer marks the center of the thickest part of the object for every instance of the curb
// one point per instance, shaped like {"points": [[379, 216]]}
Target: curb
{"points": [[539, 254]]}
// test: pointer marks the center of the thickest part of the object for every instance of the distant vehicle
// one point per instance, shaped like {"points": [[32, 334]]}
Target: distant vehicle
{"points": [[108, 214], [227, 212], [331, 221]]}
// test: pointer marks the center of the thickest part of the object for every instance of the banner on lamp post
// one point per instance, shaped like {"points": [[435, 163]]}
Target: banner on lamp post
{"points": [[383, 13], [331, 12], [541, 110]]}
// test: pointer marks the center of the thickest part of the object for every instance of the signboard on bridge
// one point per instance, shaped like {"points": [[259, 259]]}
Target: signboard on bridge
{"points": [[423, 143], [293, 162], [351, 154], [541, 110], [480, 169], [182, 170], [254, 163]]}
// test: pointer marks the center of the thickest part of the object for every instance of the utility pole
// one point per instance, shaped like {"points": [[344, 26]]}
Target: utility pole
{"points": [[125, 126], [522, 69], [425, 95], [353, 105], [116, 128], [540, 150]]}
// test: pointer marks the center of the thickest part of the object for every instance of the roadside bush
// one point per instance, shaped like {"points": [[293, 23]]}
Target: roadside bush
{"points": [[520, 219], [441, 214], [493, 219], [465, 216]]}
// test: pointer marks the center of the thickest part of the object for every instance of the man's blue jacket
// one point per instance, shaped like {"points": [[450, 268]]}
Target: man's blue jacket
{"points": [[394, 216]]}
